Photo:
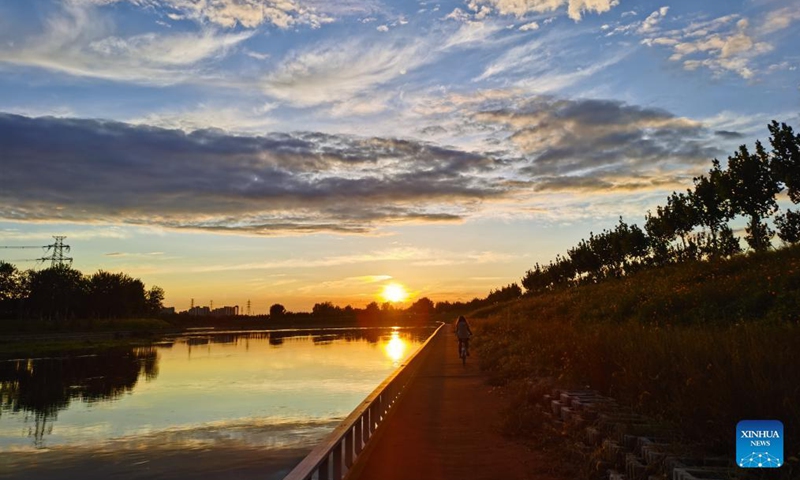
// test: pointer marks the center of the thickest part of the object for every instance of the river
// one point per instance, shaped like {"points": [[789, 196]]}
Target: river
{"points": [[205, 405]]}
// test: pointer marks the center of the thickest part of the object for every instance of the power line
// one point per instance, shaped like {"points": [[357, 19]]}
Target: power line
{"points": [[58, 248]]}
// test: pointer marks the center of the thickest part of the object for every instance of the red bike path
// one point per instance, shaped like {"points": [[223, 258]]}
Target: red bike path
{"points": [[446, 426]]}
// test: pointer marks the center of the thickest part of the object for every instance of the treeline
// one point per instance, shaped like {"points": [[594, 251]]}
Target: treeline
{"points": [[420, 310], [693, 225], [63, 293]]}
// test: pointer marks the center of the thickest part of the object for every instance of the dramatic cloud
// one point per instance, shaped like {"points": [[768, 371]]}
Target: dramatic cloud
{"points": [[95, 171], [602, 145]]}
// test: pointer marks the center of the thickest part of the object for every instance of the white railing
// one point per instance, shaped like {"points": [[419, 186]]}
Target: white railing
{"points": [[332, 458]]}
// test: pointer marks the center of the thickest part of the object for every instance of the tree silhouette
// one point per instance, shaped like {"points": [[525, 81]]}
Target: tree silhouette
{"points": [[154, 300], [13, 286], [788, 226], [728, 244], [117, 295], [752, 192], [277, 310], [58, 292], [660, 236], [534, 281], [423, 306], [786, 158], [509, 292], [682, 218], [711, 201], [325, 310]]}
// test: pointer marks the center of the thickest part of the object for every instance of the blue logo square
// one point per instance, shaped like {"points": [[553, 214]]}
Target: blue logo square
{"points": [[759, 444]]}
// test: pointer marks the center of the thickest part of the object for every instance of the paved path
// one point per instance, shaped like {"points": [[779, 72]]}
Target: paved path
{"points": [[446, 427]]}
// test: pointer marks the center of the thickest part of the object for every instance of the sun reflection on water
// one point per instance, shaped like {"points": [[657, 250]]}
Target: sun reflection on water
{"points": [[395, 347]]}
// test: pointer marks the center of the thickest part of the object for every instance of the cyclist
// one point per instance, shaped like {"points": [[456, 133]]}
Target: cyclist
{"points": [[463, 332]]}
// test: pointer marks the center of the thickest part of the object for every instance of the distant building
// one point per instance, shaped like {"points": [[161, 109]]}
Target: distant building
{"points": [[167, 311], [199, 311], [226, 311]]}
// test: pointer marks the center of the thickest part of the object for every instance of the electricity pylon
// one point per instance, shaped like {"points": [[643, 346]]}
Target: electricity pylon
{"points": [[58, 259]]}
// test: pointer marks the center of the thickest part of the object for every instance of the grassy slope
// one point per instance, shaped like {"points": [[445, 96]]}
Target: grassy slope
{"points": [[699, 346]]}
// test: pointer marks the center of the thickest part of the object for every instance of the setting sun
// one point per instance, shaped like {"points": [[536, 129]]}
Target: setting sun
{"points": [[394, 292]]}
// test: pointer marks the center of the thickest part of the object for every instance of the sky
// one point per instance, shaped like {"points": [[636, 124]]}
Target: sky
{"points": [[302, 151]]}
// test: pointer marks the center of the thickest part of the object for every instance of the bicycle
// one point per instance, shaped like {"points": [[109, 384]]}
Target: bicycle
{"points": [[462, 352]]}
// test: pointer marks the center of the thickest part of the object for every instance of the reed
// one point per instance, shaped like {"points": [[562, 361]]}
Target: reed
{"points": [[699, 346]]}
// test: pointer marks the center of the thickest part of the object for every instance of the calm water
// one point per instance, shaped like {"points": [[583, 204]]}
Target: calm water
{"points": [[228, 405]]}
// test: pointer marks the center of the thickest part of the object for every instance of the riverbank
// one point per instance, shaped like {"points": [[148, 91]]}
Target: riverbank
{"points": [[696, 347]]}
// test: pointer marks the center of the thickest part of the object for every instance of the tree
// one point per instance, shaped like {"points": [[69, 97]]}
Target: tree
{"points": [[728, 244], [372, 308], [154, 299], [682, 218], [711, 203], [509, 292], [117, 295], [277, 310], [534, 281], [752, 192], [423, 306], [325, 309], [585, 261], [785, 163], [660, 235], [788, 227], [58, 292], [10, 282], [12, 289]]}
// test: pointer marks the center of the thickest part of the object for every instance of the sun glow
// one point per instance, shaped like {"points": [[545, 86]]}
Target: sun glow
{"points": [[395, 348], [394, 292]]}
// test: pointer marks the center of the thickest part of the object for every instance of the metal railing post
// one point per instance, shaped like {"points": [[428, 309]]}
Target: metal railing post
{"points": [[360, 434], [337, 461], [348, 447]]}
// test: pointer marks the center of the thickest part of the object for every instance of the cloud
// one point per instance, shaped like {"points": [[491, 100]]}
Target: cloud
{"points": [[477, 33], [575, 8], [602, 144], [345, 71], [728, 134], [230, 13], [414, 256], [341, 71], [529, 26], [540, 65], [722, 45], [105, 172], [78, 42], [779, 19], [231, 118], [650, 23]]}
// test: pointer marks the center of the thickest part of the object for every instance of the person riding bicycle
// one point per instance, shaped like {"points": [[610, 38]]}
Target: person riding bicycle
{"points": [[463, 332]]}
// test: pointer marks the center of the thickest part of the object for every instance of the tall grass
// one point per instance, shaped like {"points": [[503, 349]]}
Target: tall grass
{"points": [[698, 346]]}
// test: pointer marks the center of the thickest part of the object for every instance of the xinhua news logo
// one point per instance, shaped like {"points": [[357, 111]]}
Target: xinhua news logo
{"points": [[759, 444]]}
